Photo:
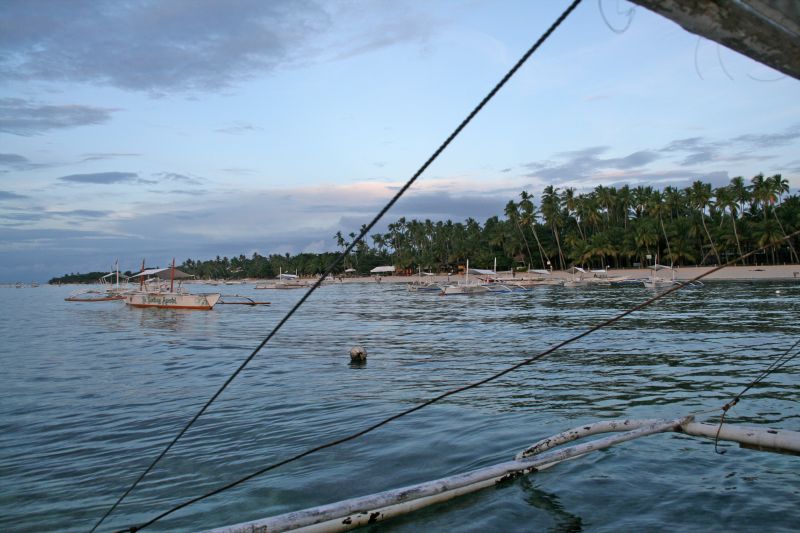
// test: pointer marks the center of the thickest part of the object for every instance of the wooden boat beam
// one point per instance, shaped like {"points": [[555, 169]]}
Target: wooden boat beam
{"points": [[767, 31], [361, 511]]}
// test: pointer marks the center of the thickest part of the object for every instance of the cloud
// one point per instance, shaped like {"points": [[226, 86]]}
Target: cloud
{"points": [[13, 160], [239, 128], [84, 213], [188, 46], [18, 163], [25, 118], [583, 165], [104, 178], [104, 156], [5, 195], [768, 140], [179, 178], [698, 150]]}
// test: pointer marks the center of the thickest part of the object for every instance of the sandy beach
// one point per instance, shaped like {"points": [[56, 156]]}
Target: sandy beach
{"points": [[733, 273]]}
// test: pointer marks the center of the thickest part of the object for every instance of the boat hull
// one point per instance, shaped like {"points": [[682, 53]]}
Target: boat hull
{"points": [[173, 300]]}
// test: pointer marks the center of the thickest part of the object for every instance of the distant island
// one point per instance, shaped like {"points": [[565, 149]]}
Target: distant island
{"points": [[624, 227]]}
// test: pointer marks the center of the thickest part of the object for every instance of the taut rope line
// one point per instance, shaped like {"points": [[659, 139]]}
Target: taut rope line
{"points": [[473, 385], [352, 245]]}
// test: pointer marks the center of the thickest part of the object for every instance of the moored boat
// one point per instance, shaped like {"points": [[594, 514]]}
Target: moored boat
{"points": [[154, 292]]}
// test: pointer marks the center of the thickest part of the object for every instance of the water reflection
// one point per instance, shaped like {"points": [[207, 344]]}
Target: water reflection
{"points": [[565, 522], [88, 390]]}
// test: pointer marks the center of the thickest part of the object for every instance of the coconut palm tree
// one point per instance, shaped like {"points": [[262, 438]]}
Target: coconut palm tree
{"points": [[726, 200], [656, 206], [779, 186], [529, 220], [740, 192], [699, 195], [551, 210]]}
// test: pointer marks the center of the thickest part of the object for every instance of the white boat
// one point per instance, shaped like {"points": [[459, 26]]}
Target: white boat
{"points": [[111, 289], [656, 282], [466, 287], [155, 292], [284, 281], [420, 285], [540, 277]]}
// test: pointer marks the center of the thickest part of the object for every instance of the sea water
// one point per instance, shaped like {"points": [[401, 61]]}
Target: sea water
{"points": [[90, 393]]}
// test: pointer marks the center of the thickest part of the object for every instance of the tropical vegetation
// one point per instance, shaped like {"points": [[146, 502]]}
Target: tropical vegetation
{"points": [[605, 227]]}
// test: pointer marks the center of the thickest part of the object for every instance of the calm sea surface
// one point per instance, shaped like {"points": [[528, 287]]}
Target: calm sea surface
{"points": [[90, 394]]}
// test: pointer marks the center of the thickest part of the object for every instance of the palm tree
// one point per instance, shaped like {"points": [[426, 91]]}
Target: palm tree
{"points": [[658, 207], [700, 197], [726, 199], [529, 220], [778, 187], [571, 204], [551, 210], [512, 214], [740, 192]]}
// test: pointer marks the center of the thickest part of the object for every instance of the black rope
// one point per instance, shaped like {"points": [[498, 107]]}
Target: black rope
{"points": [[352, 245], [775, 365], [473, 385]]}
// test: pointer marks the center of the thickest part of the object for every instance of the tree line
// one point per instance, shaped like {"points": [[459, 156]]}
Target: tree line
{"points": [[606, 227]]}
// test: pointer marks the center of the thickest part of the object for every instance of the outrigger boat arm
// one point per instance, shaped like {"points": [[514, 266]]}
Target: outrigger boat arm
{"points": [[361, 511]]}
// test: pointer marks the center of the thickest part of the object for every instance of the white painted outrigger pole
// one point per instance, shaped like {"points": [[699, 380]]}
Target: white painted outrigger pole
{"points": [[357, 512]]}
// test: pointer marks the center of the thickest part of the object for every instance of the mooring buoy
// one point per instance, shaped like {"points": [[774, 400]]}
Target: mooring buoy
{"points": [[358, 354]]}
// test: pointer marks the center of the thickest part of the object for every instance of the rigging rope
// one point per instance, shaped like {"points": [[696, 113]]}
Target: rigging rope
{"points": [[341, 256], [775, 365], [473, 385]]}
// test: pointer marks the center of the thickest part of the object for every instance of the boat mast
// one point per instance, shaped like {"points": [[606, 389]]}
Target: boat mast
{"points": [[172, 276], [141, 277]]}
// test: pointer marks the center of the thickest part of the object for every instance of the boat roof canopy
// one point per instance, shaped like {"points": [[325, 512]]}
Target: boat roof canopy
{"points": [[382, 269], [162, 273], [482, 272], [540, 271], [658, 267], [286, 276], [575, 270]]}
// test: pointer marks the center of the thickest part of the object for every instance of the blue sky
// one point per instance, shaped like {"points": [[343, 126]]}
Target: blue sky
{"points": [[152, 129]]}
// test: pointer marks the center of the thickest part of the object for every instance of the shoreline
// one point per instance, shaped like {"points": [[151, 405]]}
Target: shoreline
{"points": [[732, 273]]}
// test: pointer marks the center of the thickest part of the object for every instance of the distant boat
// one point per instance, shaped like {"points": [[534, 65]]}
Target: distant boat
{"points": [[627, 282], [420, 285], [284, 281], [542, 277], [154, 291], [656, 282], [465, 288], [112, 289]]}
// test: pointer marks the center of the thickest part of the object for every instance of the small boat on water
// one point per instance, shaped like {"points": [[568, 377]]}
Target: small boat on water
{"points": [[540, 277], [285, 281], [466, 287], [111, 289], [627, 282], [420, 285], [656, 282], [155, 292]]}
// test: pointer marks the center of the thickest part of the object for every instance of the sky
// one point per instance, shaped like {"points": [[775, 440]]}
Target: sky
{"points": [[190, 129]]}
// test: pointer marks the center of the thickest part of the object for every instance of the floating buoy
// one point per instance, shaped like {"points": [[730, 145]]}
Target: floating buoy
{"points": [[777, 292], [358, 354]]}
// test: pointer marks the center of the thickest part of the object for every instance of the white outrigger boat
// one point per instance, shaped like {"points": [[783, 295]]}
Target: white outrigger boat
{"points": [[154, 291], [420, 285], [365, 510], [656, 282], [111, 289], [466, 287], [284, 281]]}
